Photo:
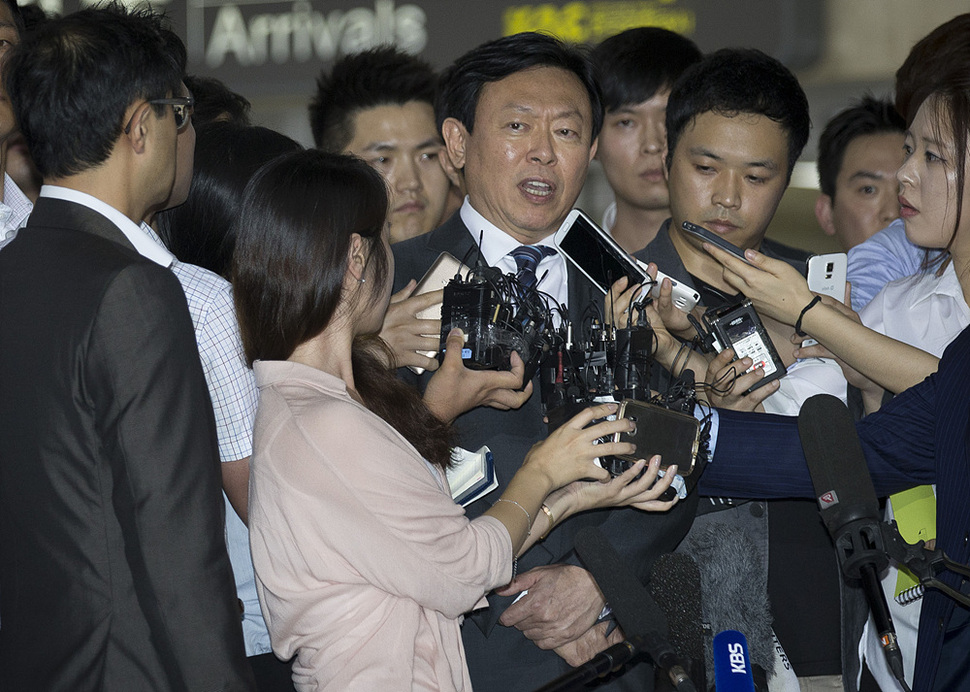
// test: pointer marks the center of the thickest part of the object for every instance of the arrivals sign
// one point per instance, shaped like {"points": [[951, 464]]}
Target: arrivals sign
{"points": [[266, 47]]}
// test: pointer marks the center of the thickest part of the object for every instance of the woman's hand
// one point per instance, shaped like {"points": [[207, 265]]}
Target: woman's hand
{"points": [[568, 454], [626, 490], [775, 287], [406, 334], [727, 382]]}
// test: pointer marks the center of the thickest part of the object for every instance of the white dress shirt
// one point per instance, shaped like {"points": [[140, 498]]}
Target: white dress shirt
{"points": [[145, 246], [496, 245]]}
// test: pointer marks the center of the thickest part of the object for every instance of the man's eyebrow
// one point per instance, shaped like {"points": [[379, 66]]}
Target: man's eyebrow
{"points": [[380, 146], [868, 175]]}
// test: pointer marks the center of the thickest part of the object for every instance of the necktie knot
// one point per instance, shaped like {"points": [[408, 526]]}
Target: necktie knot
{"points": [[527, 258]]}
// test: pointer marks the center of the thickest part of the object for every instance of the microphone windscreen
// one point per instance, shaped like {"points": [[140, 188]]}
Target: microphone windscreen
{"points": [[734, 585], [732, 665], [675, 584], [836, 462]]}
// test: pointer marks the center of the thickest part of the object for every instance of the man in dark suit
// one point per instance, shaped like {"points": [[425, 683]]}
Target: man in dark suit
{"points": [[919, 437], [520, 117], [112, 558]]}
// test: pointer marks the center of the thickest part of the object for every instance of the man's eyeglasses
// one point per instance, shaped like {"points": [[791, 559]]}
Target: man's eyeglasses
{"points": [[182, 105]]}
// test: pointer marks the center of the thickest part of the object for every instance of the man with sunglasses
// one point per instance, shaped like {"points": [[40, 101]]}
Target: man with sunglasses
{"points": [[112, 556]]}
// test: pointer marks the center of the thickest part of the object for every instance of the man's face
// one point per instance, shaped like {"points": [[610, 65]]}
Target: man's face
{"points": [[526, 161], [728, 174], [630, 149], [8, 39], [403, 144], [866, 192]]}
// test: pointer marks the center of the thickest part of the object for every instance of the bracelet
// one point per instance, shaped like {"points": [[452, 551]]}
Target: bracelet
{"points": [[528, 531], [552, 520], [798, 323]]}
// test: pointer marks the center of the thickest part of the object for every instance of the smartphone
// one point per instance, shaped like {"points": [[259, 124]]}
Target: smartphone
{"points": [[826, 274], [443, 270], [739, 327], [675, 436], [601, 260], [713, 239], [684, 297]]}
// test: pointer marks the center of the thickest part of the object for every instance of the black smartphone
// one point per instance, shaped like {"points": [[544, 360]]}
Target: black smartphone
{"points": [[713, 239], [596, 254]]}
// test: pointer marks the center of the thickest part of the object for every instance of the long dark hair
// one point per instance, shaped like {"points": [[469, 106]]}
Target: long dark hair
{"points": [[227, 155], [293, 235]]}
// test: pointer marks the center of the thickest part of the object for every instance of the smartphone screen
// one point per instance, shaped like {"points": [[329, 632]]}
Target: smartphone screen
{"points": [[592, 253]]}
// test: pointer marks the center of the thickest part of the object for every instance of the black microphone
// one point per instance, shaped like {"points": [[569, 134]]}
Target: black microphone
{"points": [[636, 612], [675, 584], [848, 507]]}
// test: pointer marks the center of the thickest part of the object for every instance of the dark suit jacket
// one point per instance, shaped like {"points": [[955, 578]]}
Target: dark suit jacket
{"points": [[113, 562], [500, 658], [919, 437]]}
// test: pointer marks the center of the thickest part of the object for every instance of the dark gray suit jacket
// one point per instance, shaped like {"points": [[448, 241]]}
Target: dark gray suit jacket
{"points": [[501, 659], [113, 562]]}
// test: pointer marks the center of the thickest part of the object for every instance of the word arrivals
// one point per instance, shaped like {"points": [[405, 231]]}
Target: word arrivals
{"points": [[303, 34]]}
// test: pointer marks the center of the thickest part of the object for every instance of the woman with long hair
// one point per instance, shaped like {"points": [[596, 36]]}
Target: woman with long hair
{"points": [[364, 563]]}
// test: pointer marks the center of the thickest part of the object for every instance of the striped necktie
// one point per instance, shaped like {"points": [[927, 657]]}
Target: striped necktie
{"points": [[527, 258]]}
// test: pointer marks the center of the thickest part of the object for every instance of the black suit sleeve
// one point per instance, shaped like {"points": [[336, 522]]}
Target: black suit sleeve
{"points": [[165, 475]]}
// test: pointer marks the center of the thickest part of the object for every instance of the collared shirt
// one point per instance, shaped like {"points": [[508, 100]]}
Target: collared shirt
{"points": [[232, 388], [14, 210], [145, 246], [925, 310], [886, 256], [496, 245]]}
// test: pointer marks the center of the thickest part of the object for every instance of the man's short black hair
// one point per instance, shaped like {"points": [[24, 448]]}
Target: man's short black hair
{"points": [[72, 80], [634, 65], [384, 76], [867, 117], [461, 84], [215, 102], [732, 81]]}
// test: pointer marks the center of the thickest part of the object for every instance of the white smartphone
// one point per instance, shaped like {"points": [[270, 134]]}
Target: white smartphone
{"points": [[827, 276], [601, 260]]}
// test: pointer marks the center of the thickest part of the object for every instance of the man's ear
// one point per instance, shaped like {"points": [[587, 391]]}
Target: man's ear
{"points": [[593, 147], [456, 139], [663, 162], [823, 212], [451, 171], [139, 117]]}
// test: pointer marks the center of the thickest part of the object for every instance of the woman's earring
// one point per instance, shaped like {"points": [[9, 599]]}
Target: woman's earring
{"points": [[361, 280]]}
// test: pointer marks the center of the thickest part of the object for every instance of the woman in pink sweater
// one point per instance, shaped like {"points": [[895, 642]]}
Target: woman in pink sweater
{"points": [[364, 563]]}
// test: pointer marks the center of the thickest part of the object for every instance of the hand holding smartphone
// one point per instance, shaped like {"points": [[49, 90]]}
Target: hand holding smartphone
{"points": [[714, 239]]}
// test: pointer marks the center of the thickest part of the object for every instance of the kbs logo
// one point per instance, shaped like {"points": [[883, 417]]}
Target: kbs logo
{"points": [[736, 658]]}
